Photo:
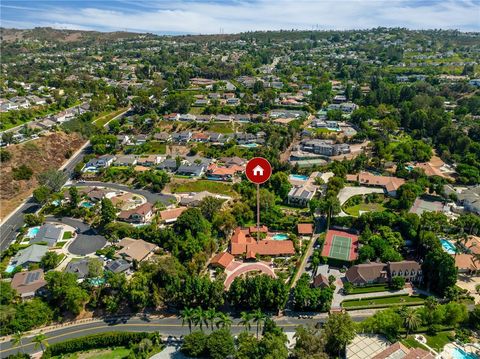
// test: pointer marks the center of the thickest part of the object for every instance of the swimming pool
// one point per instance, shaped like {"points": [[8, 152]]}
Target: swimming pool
{"points": [[448, 247], [32, 232], [9, 268], [87, 204], [299, 177], [250, 145], [280, 236], [458, 353]]}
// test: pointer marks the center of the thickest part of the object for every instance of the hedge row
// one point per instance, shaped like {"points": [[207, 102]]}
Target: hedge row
{"points": [[102, 340]]}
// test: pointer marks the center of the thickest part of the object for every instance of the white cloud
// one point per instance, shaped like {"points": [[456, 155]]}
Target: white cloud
{"points": [[237, 16]]}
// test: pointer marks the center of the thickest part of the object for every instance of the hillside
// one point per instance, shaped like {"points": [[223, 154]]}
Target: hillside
{"points": [[40, 155], [66, 36]]}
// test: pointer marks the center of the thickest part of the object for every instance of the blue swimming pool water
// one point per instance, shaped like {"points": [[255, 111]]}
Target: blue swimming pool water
{"points": [[460, 354], [448, 247], [32, 232], [280, 236], [299, 177], [250, 145], [56, 202], [9, 268], [87, 204]]}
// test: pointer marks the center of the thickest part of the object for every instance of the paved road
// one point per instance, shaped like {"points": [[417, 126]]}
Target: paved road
{"points": [[151, 197], [87, 241], [10, 226], [165, 326]]}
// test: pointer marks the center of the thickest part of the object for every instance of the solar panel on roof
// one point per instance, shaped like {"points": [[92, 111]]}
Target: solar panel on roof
{"points": [[32, 277]]}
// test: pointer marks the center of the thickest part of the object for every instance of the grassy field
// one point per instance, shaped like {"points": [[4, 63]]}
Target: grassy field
{"points": [[155, 147], [439, 340], [221, 127], [103, 120], [410, 342], [370, 289], [67, 235], [116, 353], [202, 185], [367, 207], [381, 302]]}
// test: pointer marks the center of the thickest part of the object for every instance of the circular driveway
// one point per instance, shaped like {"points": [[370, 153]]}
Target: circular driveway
{"points": [[88, 240], [248, 267]]}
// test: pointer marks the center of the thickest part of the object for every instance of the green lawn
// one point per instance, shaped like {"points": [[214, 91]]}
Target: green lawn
{"points": [[220, 127], [410, 342], [60, 244], [67, 235], [116, 353], [155, 147], [103, 120], [439, 340], [381, 302], [370, 289], [203, 185], [367, 207]]}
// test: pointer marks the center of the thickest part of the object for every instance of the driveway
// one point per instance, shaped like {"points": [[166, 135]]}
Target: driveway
{"points": [[347, 192], [88, 240]]}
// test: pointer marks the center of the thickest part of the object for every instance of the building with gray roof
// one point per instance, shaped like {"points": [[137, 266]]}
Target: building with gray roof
{"points": [[29, 255], [49, 234]]}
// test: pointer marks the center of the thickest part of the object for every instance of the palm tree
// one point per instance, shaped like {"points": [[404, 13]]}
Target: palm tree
{"points": [[198, 317], [245, 320], [224, 320], [411, 320], [40, 340], [17, 340], [258, 317], [187, 315], [210, 315]]}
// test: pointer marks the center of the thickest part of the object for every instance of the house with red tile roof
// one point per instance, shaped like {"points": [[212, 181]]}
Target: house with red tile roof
{"points": [[389, 184], [222, 260], [305, 229], [244, 242]]}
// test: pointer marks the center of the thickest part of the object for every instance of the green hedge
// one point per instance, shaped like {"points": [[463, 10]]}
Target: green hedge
{"points": [[102, 340]]}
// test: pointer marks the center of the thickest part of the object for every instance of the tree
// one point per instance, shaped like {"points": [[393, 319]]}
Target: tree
{"points": [[247, 346], [52, 179], [40, 340], [411, 320], [397, 282], [41, 194], [74, 196], [210, 316], [198, 317], [187, 317], [7, 293], [310, 343], [195, 344], [339, 331], [65, 292], [220, 344], [17, 338], [245, 320], [258, 318], [209, 206], [108, 213], [192, 220], [439, 271], [223, 320], [280, 184], [95, 268], [50, 261]]}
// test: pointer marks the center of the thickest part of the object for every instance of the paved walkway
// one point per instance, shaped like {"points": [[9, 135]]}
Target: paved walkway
{"points": [[248, 267], [348, 192]]}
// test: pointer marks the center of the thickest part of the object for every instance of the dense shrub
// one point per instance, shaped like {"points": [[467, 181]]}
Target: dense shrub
{"points": [[103, 340]]}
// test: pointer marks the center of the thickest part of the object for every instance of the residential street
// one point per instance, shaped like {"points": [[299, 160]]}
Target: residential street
{"points": [[167, 326]]}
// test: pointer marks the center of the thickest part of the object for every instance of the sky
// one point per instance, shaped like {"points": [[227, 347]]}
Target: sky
{"points": [[233, 16]]}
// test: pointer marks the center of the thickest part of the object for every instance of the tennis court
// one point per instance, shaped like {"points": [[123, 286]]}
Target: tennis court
{"points": [[340, 248], [340, 245]]}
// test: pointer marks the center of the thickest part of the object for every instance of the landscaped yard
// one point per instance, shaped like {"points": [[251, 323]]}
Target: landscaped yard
{"points": [[381, 302], [67, 235], [116, 353], [220, 127], [370, 289], [202, 185], [373, 202], [439, 340]]}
